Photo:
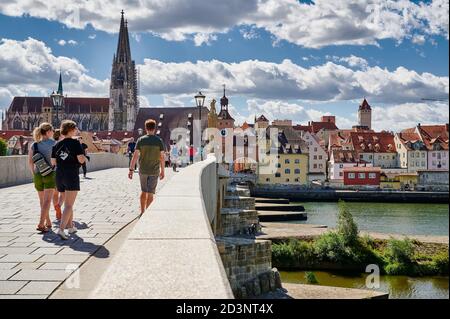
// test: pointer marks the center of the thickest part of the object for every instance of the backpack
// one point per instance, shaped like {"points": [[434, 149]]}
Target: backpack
{"points": [[43, 167]]}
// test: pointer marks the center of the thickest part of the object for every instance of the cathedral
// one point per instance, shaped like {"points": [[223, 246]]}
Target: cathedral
{"points": [[116, 113]]}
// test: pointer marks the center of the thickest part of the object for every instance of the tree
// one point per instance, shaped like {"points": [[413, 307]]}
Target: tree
{"points": [[3, 147], [346, 226]]}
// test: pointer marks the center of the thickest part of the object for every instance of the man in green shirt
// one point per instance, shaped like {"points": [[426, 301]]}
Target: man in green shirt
{"points": [[150, 153]]}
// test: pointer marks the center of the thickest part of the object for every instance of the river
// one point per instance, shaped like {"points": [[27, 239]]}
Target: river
{"points": [[399, 287], [398, 218]]}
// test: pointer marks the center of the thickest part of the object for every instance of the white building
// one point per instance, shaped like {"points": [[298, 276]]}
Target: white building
{"points": [[318, 157], [341, 159]]}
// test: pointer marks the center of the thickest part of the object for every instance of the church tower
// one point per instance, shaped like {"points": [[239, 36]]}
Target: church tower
{"points": [[365, 115], [123, 103]]}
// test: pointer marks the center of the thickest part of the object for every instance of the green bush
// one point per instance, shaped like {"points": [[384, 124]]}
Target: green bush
{"points": [[310, 278], [346, 226], [400, 251], [3, 147], [441, 264], [293, 254]]}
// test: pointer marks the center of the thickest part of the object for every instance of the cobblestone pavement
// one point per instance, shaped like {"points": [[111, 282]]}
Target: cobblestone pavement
{"points": [[33, 265]]}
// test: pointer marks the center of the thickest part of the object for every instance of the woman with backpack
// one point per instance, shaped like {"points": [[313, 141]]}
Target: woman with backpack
{"points": [[39, 159]]}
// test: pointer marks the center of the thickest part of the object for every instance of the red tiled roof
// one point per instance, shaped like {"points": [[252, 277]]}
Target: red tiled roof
{"points": [[369, 142], [305, 128], [346, 156], [314, 127], [407, 138], [6, 135], [262, 118], [434, 131], [365, 105]]}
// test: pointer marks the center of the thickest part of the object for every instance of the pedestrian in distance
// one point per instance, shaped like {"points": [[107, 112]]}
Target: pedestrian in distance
{"points": [[68, 155], [150, 153], [85, 147], [39, 159]]}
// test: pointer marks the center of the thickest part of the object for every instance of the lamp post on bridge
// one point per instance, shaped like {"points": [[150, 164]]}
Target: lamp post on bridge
{"points": [[57, 99], [200, 101]]}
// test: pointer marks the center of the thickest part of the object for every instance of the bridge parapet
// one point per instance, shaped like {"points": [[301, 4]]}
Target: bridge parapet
{"points": [[171, 252], [14, 169]]}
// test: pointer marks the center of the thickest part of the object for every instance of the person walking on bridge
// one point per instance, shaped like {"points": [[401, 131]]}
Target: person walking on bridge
{"points": [[39, 160], [68, 155], [150, 152]]}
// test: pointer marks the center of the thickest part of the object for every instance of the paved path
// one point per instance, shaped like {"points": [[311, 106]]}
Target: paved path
{"points": [[33, 265]]}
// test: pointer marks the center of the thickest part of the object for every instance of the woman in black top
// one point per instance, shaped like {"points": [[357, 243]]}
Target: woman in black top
{"points": [[68, 155]]}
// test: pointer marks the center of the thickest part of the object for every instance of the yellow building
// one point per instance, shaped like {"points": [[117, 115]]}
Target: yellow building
{"points": [[288, 166], [405, 181]]}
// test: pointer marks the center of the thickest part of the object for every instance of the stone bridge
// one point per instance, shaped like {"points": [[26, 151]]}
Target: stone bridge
{"points": [[183, 247]]}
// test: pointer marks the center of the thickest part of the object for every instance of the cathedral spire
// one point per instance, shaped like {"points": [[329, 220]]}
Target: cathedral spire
{"points": [[123, 46], [60, 86]]}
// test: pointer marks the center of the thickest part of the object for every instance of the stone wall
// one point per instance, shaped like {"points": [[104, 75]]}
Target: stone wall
{"points": [[14, 170], [247, 261], [237, 221], [248, 264]]}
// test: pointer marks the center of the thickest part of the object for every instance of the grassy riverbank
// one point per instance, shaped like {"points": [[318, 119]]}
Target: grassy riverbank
{"points": [[345, 249]]}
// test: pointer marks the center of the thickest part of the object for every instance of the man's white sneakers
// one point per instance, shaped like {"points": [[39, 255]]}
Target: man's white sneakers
{"points": [[72, 230], [62, 234]]}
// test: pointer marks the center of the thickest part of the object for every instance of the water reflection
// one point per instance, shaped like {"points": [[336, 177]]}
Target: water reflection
{"points": [[399, 287]]}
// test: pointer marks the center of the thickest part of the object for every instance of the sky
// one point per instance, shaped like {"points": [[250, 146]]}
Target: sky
{"points": [[287, 59]]}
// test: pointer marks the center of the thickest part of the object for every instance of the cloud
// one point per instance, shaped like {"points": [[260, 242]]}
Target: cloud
{"points": [[204, 38], [282, 110], [352, 61], [289, 81], [249, 33], [63, 42], [313, 24], [33, 69], [398, 117], [92, 36]]}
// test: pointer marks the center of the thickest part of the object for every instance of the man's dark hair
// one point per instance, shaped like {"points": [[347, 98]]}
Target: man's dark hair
{"points": [[150, 125]]}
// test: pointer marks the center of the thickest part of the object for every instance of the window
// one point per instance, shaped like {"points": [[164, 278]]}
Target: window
{"points": [[297, 180], [297, 171], [361, 156], [278, 165], [341, 165], [351, 175], [423, 155], [379, 157], [287, 161], [433, 154], [320, 157], [287, 171], [340, 174], [370, 157], [404, 155], [362, 175], [314, 165], [315, 157], [277, 175], [297, 161], [320, 165], [417, 163], [267, 179], [423, 163], [372, 175], [315, 149]]}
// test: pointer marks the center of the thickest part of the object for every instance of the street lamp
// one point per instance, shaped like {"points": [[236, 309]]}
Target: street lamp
{"points": [[57, 100], [200, 101]]}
